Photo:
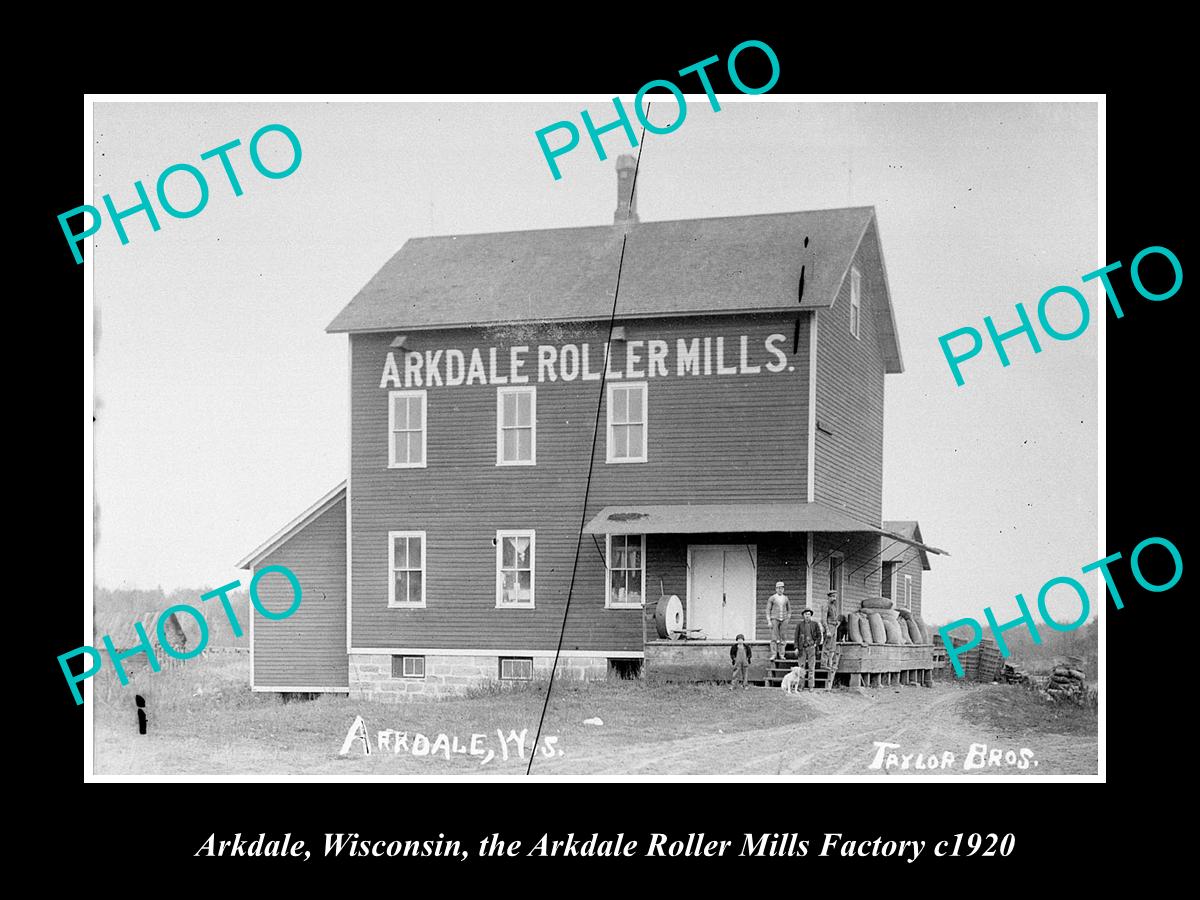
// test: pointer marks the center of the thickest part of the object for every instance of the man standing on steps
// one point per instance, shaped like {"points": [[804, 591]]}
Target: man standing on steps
{"points": [[832, 620], [808, 638], [778, 616]]}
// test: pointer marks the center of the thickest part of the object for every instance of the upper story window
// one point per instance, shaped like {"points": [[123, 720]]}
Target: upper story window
{"points": [[406, 429], [514, 569], [406, 560], [626, 570], [627, 422], [906, 600], [516, 426], [855, 300]]}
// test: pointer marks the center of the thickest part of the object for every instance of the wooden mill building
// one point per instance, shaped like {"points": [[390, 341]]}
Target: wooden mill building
{"points": [[724, 422]]}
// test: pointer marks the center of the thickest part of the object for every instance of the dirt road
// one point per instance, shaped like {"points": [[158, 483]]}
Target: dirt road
{"points": [[840, 740]]}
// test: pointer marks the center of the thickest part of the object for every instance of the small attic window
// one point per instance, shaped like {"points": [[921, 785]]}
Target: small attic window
{"points": [[855, 300]]}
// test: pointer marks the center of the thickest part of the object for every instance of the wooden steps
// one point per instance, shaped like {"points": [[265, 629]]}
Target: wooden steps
{"points": [[823, 677]]}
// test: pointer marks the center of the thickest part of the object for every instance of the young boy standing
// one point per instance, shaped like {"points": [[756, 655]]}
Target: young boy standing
{"points": [[739, 655], [778, 616]]}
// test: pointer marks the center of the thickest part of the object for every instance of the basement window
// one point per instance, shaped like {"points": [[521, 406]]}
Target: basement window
{"points": [[516, 668], [408, 667]]}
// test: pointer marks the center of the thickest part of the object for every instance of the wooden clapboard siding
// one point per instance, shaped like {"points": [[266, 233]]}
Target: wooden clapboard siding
{"points": [[712, 439], [850, 374], [308, 648], [860, 569]]}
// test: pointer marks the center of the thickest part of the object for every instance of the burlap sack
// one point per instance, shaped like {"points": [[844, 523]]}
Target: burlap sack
{"points": [[878, 635], [891, 631], [852, 624], [877, 603], [914, 631]]}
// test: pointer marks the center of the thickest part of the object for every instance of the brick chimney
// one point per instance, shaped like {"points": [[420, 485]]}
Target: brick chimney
{"points": [[626, 197]]}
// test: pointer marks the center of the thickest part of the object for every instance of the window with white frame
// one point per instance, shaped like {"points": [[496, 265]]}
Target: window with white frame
{"points": [[626, 571], [514, 569], [516, 426], [408, 667], [906, 602], [406, 429], [855, 300], [627, 422], [515, 668], [406, 560]]}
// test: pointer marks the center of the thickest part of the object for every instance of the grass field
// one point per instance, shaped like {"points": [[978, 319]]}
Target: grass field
{"points": [[204, 720], [225, 729], [1013, 709]]}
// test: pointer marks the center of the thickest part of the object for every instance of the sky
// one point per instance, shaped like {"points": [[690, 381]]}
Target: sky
{"points": [[221, 403]]}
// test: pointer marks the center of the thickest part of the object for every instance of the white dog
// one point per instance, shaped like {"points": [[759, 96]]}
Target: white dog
{"points": [[791, 682]]}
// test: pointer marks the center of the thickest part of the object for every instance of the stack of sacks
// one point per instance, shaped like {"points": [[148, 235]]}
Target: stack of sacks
{"points": [[1067, 683], [889, 618]]}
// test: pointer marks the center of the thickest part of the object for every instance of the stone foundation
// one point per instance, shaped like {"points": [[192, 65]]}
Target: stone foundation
{"points": [[371, 675]]}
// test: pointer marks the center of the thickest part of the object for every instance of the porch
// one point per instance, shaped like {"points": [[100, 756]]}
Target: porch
{"points": [[858, 665]]}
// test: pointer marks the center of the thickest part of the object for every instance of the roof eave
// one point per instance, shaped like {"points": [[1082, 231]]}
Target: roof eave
{"points": [[293, 528]]}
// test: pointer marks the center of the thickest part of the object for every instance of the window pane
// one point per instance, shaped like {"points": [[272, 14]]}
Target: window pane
{"points": [[635, 554], [620, 554], [508, 588], [508, 556], [414, 587], [525, 585], [399, 413], [415, 448], [617, 587], [633, 590], [524, 409], [524, 443], [414, 552], [509, 410], [400, 560], [620, 410], [414, 413], [401, 587], [509, 448], [636, 435], [635, 405], [522, 546], [400, 445], [620, 441]]}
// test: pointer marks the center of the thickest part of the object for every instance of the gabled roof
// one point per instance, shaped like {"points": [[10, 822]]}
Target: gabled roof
{"points": [[294, 527], [905, 534], [683, 267]]}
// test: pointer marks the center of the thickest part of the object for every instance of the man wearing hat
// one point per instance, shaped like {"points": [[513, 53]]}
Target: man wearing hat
{"points": [[808, 638], [778, 616]]}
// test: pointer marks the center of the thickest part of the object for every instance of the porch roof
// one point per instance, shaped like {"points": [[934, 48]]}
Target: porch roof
{"points": [[723, 518]]}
